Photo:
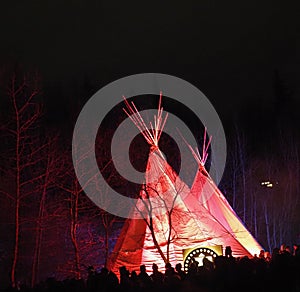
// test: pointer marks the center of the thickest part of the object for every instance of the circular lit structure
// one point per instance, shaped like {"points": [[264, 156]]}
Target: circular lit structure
{"points": [[197, 255]]}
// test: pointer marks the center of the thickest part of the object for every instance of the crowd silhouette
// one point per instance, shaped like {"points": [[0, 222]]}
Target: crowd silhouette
{"points": [[278, 270]]}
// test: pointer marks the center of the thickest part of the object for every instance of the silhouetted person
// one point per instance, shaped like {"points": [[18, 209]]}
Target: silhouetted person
{"points": [[134, 281], [193, 269], [169, 270], [208, 265], [124, 279], [112, 281], [172, 279], [261, 254], [228, 252], [144, 279], [180, 272], [157, 277]]}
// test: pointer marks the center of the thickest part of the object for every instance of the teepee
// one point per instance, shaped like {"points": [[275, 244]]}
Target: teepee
{"points": [[172, 219], [208, 195]]}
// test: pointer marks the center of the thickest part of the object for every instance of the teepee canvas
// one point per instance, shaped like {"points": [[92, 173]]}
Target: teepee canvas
{"points": [[208, 195], [172, 219]]}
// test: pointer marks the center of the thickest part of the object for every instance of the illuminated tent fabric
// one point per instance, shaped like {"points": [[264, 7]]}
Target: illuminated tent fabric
{"points": [[170, 198], [205, 191], [207, 194], [135, 245]]}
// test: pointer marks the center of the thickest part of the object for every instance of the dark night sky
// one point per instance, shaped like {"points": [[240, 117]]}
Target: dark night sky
{"points": [[231, 50]]}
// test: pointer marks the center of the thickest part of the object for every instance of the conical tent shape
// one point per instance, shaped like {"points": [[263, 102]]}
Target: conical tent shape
{"points": [[172, 219], [135, 245], [191, 224], [206, 192]]}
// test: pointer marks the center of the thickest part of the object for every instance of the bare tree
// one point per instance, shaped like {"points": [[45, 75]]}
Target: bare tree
{"points": [[82, 211], [73, 190], [50, 167], [24, 148], [158, 208]]}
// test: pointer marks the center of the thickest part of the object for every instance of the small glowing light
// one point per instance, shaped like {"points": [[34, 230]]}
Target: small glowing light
{"points": [[267, 184]]}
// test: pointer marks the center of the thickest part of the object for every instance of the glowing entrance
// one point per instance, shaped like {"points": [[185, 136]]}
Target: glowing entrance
{"points": [[198, 254]]}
